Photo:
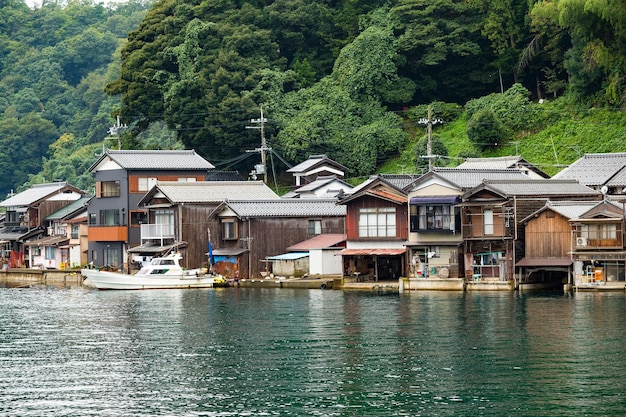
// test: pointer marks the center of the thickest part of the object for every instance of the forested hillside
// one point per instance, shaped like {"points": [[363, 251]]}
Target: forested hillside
{"points": [[349, 79]]}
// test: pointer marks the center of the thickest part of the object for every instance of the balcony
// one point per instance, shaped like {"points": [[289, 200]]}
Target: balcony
{"points": [[107, 234], [160, 232]]}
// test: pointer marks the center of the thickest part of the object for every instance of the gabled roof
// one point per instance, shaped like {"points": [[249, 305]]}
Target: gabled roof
{"points": [[534, 188], [396, 181], [70, 209], [501, 162], [209, 191], [315, 161], [321, 182], [323, 241], [37, 193], [186, 160], [594, 169], [567, 209], [281, 208], [466, 178]]}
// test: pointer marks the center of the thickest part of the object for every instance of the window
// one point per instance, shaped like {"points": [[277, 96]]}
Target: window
{"points": [[110, 217], [434, 252], [315, 227], [108, 189], [93, 219], [229, 229], [138, 218], [94, 256], [377, 222], [146, 183], [435, 217], [75, 231], [12, 216], [488, 221], [50, 252], [35, 250], [190, 179], [111, 257]]}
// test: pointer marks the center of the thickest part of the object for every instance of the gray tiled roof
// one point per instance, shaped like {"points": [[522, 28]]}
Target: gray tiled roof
{"points": [[287, 208], [467, 178], [215, 191], [502, 162], [540, 187], [156, 159], [594, 169], [619, 179], [33, 194], [567, 209]]}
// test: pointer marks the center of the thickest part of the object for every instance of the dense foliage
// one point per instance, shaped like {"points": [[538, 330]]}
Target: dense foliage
{"points": [[349, 79]]}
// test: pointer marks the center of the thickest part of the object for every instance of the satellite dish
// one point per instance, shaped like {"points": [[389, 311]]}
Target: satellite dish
{"points": [[604, 189]]}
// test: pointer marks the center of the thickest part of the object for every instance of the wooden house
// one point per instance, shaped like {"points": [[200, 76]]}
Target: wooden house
{"points": [[598, 246], [490, 219], [25, 214], [178, 216], [435, 240], [548, 244], [376, 230], [247, 232], [61, 247]]}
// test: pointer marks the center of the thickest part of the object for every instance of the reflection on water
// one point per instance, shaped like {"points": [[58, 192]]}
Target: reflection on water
{"points": [[227, 352]]}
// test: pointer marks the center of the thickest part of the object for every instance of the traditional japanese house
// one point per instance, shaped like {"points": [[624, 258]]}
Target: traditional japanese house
{"points": [[548, 244], [376, 229], [178, 216], [598, 247], [316, 166], [492, 234], [435, 240], [247, 232], [323, 187], [25, 214]]}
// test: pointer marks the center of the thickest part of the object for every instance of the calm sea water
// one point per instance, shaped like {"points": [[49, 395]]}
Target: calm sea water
{"points": [[281, 352]]}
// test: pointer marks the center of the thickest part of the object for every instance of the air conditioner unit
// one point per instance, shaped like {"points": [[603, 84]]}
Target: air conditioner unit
{"points": [[581, 241]]}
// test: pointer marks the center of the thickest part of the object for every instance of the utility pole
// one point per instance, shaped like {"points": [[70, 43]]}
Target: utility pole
{"points": [[117, 130], [429, 124], [260, 169]]}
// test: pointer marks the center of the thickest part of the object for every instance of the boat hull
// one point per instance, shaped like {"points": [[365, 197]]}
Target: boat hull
{"points": [[104, 280]]}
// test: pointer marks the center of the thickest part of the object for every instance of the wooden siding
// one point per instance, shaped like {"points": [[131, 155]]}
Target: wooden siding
{"points": [[352, 217], [474, 225], [133, 180], [548, 237], [107, 234]]}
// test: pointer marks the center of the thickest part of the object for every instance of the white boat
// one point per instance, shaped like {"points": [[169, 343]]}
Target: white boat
{"points": [[164, 272]]}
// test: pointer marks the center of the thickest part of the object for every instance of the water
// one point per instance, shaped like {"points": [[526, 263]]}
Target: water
{"points": [[281, 352]]}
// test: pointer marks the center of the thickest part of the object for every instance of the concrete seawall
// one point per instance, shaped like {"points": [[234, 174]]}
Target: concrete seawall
{"points": [[26, 277]]}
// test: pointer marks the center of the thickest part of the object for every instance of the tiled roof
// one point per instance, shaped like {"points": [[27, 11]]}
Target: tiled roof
{"points": [[567, 209], [33, 194], [467, 178], [215, 191], [156, 159], [540, 187], [594, 169], [399, 180], [501, 162], [287, 208]]}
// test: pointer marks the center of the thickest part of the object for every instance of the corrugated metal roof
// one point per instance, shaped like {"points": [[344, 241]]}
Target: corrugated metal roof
{"points": [[288, 256], [215, 191], [594, 169], [156, 159], [469, 178], [287, 208], [322, 241], [70, 208], [33, 194]]}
